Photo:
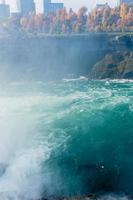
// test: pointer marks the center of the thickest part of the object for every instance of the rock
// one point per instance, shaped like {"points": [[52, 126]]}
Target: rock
{"points": [[115, 65]]}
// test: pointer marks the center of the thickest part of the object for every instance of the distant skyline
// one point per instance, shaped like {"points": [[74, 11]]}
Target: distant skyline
{"points": [[75, 4]]}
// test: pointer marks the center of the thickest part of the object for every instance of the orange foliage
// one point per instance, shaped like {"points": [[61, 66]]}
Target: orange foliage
{"points": [[102, 18]]}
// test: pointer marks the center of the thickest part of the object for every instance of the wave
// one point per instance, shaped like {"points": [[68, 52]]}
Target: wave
{"points": [[81, 78], [115, 197], [66, 139], [122, 81]]}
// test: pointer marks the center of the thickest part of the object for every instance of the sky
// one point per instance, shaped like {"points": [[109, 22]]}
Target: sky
{"points": [[75, 4]]}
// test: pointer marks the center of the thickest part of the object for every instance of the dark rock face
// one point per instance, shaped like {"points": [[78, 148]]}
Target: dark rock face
{"points": [[114, 65]]}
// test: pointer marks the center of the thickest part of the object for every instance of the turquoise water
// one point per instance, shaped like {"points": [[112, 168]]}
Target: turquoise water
{"points": [[72, 137]]}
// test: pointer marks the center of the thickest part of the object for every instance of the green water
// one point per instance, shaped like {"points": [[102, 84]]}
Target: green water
{"points": [[66, 138]]}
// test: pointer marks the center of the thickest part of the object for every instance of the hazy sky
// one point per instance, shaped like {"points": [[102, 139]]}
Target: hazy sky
{"points": [[89, 3], [75, 4]]}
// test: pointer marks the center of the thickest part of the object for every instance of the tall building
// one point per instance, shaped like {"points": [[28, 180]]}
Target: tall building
{"points": [[129, 2], [4, 10], [48, 6], [118, 2], [101, 6], [26, 6]]}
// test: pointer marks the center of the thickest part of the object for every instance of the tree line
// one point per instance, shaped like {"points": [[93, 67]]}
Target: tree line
{"points": [[101, 19]]}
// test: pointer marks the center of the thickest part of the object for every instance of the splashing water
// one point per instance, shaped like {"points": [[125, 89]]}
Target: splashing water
{"points": [[66, 138]]}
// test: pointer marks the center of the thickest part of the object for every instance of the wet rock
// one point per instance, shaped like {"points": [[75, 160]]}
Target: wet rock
{"points": [[116, 65]]}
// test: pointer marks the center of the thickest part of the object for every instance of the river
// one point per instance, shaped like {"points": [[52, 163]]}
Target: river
{"points": [[66, 138]]}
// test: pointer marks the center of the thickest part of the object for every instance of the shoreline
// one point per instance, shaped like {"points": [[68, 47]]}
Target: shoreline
{"points": [[66, 35]]}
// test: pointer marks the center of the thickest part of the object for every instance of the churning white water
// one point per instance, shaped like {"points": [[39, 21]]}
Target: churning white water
{"points": [[54, 138], [21, 151]]}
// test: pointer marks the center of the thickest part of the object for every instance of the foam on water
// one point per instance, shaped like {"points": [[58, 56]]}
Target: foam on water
{"points": [[55, 137]]}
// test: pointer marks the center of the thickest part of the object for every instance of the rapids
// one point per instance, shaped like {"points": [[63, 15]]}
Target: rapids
{"points": [[66, 138]]}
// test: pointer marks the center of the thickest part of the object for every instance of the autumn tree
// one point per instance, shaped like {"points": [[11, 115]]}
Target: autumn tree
{"points": [[102, 18]]}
